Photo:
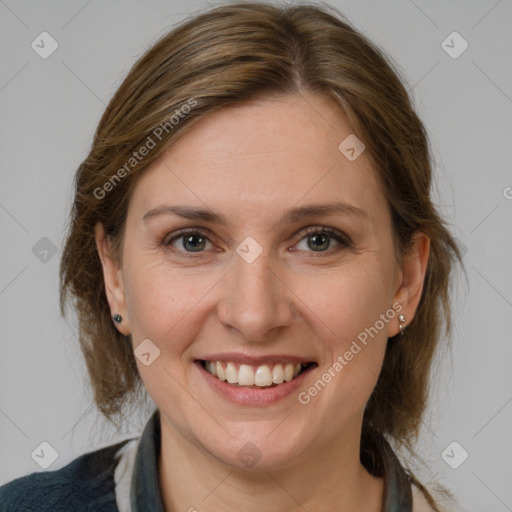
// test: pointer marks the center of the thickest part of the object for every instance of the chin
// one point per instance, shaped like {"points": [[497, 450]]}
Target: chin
{"points": [[257, 451]]}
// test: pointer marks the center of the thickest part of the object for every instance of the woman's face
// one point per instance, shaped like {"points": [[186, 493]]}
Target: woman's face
{"points": [[231, 256]]}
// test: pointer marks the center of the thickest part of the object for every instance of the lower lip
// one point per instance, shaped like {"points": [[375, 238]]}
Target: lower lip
{"points": [[253, 396]]}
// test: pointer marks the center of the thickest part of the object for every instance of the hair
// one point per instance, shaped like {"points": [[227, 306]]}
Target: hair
{"points": [[225, 57]]}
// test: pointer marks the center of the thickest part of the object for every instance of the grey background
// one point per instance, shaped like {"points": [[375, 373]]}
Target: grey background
{"points": [[49, 109]]}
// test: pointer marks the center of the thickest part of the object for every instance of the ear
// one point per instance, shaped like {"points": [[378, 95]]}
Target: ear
{"points": [[409, 285], [113, 278]]}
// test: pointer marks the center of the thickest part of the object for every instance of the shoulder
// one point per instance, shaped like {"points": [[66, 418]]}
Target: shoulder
{"points": [[85, 484]]}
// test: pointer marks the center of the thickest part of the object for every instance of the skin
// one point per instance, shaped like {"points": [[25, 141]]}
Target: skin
{"points": [[253, 163]]}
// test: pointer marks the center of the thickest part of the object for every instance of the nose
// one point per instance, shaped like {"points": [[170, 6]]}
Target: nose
{"points": [[256, 302]]}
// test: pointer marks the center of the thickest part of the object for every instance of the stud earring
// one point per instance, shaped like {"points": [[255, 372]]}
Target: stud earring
{"points": [[117, 318], [401, 325]]}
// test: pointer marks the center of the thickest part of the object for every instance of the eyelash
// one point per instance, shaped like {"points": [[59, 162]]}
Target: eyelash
{"points": [[341, 238]]}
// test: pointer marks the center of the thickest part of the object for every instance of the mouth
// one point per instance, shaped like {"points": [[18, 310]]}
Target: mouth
{"points": [[261, 376]]}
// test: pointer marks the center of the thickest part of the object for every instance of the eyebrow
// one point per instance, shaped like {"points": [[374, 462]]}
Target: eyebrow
{"points": [[291, 216]]}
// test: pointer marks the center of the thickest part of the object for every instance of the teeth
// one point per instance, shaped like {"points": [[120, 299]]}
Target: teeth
{"points": [[288, 372], [231, 373], [278, 374], [221, 374], [247, 375], [263, 376]]}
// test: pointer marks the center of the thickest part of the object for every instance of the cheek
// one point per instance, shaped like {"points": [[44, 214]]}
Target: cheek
{"points": [[165, 306], [163, 303], [345, 311], [346, 302]]}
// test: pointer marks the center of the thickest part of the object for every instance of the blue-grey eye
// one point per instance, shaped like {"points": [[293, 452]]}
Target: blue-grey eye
{"points": [[318, 242], [190, 242], [193, 243]]}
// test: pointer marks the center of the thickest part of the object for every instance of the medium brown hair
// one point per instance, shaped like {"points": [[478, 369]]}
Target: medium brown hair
{"points": [[227, 56]]}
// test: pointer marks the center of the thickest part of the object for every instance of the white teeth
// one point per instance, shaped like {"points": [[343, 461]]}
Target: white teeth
{"points": [[278, 374], [263, 376], [247, 375], [221, 374], [288, 372], [231, 373]]}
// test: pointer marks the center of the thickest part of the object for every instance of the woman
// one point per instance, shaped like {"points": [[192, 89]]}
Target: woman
{"points": [[253, 243]]}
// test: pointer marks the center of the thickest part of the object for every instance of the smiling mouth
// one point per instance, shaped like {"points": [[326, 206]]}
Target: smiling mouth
{"points": [[262, 376]]}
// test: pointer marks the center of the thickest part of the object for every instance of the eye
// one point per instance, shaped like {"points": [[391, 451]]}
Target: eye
{"points": [[320, 239], [316, 239], [189, 241]]}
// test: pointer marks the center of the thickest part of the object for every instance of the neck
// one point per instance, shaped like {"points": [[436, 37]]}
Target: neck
{"points": [[192, 479]]}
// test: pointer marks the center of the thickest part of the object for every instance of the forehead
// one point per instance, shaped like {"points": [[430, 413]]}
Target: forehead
{"points": [[261, 158]]}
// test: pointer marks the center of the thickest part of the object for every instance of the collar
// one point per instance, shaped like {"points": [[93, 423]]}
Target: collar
{"points": [[145, 491]]}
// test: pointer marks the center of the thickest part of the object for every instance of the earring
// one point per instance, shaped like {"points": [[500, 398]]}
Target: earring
{"points": [[401, 325], [117, 318]]}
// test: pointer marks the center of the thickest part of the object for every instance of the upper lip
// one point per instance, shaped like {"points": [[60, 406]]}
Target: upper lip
{"points": [[256, 360]]}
